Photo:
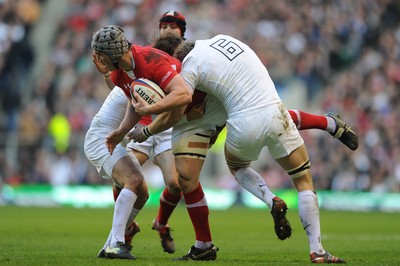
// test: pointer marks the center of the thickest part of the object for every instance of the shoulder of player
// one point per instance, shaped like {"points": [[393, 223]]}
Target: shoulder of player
{"points": [[146, 51]]}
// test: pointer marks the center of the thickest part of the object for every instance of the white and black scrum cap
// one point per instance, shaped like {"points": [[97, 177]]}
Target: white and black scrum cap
{"points": [[110, 40]]}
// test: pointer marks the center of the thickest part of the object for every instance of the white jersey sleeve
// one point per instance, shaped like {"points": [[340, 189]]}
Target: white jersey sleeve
{"points": [[107, 119], [112, 111]]}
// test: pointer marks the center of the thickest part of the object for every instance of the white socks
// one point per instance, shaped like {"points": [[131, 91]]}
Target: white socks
{"points": [[309, 215], [108, 242], [122, 211], [331, 124], [250, 180], [203, 245], [131, 218]]}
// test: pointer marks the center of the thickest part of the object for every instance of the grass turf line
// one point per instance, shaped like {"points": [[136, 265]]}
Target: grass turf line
{"points": [[67, 236]]}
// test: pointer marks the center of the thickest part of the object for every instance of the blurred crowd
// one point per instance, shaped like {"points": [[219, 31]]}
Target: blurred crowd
{"points": [[324, 56]]}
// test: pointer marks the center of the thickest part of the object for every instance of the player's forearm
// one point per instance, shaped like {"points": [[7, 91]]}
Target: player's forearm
{"points": [[166, 120], [178, 95], [108, 81], [130, 120], [173, 100]]}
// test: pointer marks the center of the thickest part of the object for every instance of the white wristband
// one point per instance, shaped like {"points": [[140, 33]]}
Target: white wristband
{"points": [[107, 76]]}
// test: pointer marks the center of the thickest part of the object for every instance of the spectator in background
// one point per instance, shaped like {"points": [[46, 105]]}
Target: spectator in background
{"points": [[16, 55]]}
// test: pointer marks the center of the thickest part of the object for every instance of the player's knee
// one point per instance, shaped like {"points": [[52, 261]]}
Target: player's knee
{"points": [[235, 166], [188, 183], [184, 173], [183, 178], [174, 188], [134, 181]]}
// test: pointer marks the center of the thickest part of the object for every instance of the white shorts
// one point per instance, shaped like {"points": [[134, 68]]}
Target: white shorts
{"points": [[271, 127], [154, 145], [97, 152]]}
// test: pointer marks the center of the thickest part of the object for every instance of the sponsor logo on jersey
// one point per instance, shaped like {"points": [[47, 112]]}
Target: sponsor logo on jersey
{"points": [[166, 76]]}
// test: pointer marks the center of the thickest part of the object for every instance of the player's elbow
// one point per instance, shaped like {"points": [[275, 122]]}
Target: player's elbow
{"points": [[175, 117], [186, 98]]}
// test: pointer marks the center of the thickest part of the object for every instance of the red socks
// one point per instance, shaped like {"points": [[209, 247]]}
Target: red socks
{"points": [[304, 120], [168, 202], [197, 207]]}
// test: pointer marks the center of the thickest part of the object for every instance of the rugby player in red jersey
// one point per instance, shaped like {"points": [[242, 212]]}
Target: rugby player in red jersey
{"points": [[128, 62]]}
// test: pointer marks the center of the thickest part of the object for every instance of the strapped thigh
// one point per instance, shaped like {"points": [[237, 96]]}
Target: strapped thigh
{"points": [[233, 164], [195, 145], [301, 170]]}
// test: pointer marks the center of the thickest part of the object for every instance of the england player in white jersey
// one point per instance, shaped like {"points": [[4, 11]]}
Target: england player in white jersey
{"points": [[121, 162], [239, 80], [107, 119], [229, 70]]}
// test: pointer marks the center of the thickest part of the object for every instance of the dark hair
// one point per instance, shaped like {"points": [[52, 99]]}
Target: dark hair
{"points": [[183, 49], [167, 43]]}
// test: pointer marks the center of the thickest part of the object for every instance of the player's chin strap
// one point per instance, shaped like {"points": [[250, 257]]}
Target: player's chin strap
{"points": [[300, 171], [234, 165]]}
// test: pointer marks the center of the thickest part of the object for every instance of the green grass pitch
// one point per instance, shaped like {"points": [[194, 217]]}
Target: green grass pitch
{"points": [[67, 236]]}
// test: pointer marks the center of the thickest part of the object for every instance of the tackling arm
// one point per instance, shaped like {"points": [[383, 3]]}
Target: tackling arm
{"points": [[116, 136], [178, 95], [166, 120], [163, 122]]}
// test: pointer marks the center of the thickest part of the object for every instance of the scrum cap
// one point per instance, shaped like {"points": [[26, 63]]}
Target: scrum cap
{"points": [[110, 40], [176, 18]]}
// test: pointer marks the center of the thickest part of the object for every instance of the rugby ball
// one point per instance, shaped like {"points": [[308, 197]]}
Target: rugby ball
{"points": [[148, 90]]}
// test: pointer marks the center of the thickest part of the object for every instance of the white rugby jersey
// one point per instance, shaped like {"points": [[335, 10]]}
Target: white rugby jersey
{"points": [[112, 111], [230, 70]]}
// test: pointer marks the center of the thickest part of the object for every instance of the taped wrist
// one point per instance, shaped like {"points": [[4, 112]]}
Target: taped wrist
{"points": [[107, 75], [146, 132]]}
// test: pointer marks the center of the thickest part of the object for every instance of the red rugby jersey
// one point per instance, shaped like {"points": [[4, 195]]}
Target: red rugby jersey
{"points": [[150, 63]]}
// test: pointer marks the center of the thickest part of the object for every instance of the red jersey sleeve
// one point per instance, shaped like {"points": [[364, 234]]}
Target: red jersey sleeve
{"points": [[122, 81], [146, 120], [155, 65], [149, 63]]}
